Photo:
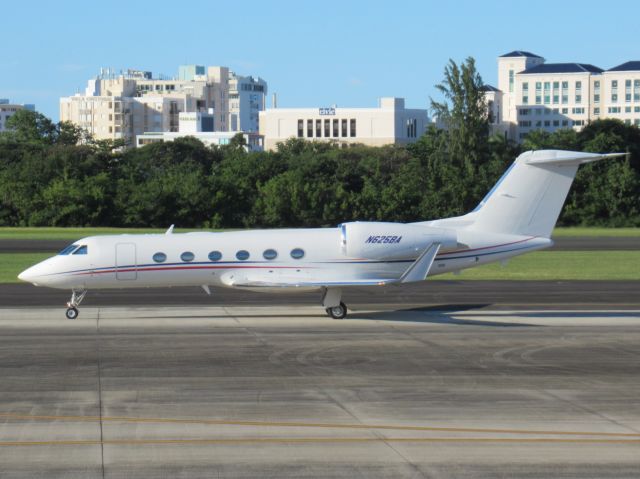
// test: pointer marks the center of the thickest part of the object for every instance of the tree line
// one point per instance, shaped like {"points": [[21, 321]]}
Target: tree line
{"points": [[57, 175]]}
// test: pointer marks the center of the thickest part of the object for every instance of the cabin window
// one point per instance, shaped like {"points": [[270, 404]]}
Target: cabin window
{"points": [[159, 257], [68, 249], [242, 255], [187, 256], [297, 253], [215, 256], [82, 250], [270, 254]]}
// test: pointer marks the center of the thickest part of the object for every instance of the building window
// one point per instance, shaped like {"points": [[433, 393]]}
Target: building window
{"points": [[614, 98], [627, 97], [547, 99], [578, 99], [327, 128], [556, 99], [511, 77], [596, 85], [556, 122], [335, 129], [565, 122], [352, 128], [636, 109], [538, 100], [300, 128], [159, 257], [309, 128], [344, 128], [525, 100], [596, 98], [215, 256], [627, 109], [318, 128], [187, 256], [547, 123], [596, 111], [525, 86]]}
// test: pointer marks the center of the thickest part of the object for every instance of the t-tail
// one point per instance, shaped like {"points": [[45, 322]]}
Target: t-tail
{"points": [[527, 200]]}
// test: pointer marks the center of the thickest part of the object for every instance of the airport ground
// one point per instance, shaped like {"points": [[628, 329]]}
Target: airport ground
{"points": [[266, 391], [447, 379]]}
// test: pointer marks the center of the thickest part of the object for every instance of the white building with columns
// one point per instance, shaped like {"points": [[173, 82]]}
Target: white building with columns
{"points": [[389, 123]]}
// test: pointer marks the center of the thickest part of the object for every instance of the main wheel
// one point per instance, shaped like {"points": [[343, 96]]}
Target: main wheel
{"points": [[338, 312], [72, 313]]}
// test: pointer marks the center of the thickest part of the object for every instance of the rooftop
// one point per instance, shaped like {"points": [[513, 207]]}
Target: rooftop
{"points": [[488, 88], [632, 66], [563, 68], [520, 53]]}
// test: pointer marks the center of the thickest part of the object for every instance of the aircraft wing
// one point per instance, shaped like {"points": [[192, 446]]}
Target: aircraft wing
{"points": [[417, 271]]}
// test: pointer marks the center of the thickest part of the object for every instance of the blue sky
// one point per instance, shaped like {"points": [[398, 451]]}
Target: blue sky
{"points": [[317, 53]]}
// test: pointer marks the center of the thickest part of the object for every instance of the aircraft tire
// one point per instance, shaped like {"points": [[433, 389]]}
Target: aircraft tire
{"points": [[71, 313], [338, 312]]}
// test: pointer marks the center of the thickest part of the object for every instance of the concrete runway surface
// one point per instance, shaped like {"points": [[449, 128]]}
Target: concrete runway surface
{"points": [[277, 392]]}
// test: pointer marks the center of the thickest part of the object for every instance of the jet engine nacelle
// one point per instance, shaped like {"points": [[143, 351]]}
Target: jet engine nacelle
{"points": [[378, 240]]}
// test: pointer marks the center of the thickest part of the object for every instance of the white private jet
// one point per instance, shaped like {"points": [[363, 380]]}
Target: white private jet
{"points": [[515, 217]]}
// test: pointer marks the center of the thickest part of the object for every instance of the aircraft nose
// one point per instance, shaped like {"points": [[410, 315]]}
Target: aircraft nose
{"points": [[27, 275]]}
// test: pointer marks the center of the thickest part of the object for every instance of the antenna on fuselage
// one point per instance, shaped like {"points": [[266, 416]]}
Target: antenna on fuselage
{"points": [[170, 230]]}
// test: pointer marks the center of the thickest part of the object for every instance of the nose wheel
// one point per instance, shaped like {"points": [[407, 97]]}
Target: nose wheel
{"points": [[72, 305]]}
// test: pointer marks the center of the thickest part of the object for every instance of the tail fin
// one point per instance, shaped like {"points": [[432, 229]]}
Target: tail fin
{"points": [[527, 200]]}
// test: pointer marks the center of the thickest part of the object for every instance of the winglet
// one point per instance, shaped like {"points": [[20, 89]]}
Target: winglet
{"points": [[419, 269], [170, 230]]}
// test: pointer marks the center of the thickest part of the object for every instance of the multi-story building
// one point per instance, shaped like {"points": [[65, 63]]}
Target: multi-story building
{"points": [[247, 97], [390, 123], [7, 110], [534, 95], [200, 125], [129, 104]]}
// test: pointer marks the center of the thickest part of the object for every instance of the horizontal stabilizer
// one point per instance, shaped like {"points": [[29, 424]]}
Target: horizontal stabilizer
{"points": [[558, 157]]}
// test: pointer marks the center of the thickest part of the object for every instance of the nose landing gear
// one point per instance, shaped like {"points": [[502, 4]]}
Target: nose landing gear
{"points": [[72, 305]]}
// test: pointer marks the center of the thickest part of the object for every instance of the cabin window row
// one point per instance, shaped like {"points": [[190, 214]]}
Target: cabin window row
{"points": [[242, 255]]}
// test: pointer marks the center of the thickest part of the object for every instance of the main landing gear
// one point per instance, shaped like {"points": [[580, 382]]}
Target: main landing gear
{"points": [[331, 301], [72, 305]]}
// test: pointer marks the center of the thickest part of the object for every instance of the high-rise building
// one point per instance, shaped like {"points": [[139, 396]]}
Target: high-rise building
{"points": [[124, 105], [534, 95], [247, 97], [7, 110]]}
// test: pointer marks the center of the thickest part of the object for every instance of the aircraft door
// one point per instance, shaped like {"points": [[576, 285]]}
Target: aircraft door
{"points": [[126, 265]]}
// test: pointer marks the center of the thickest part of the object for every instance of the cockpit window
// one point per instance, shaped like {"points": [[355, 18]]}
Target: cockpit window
{"points": [[68, 249], [81, 250]]}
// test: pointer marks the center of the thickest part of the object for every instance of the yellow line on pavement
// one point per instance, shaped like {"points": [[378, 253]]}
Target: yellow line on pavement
{"points": [[221, 422], [310, 440]]}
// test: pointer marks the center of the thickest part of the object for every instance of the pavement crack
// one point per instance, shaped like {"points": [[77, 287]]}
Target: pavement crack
{"points": [[591, 411]]}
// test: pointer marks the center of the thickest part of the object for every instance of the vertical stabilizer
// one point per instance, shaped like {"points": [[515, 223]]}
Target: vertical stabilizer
{"points": [[527, 200]]}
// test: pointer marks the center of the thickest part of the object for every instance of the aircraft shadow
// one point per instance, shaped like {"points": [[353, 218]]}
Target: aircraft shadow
{"points": [[438, 314]]}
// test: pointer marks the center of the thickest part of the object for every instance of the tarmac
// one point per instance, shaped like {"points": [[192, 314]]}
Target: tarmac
{"points": [[273, 391]]}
